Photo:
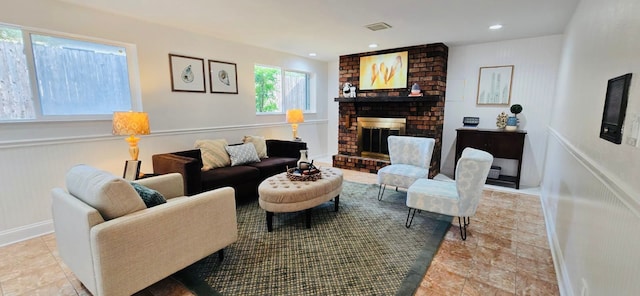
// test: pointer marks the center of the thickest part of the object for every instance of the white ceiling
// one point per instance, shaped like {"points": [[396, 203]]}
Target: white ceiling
{"points": [[332, 28]]}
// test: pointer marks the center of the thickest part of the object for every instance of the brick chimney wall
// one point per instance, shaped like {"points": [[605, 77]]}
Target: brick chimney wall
{"points": [[427, 66]]}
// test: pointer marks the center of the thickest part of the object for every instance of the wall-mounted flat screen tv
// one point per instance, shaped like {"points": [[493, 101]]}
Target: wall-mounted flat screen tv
{"points": [[615, 107]]}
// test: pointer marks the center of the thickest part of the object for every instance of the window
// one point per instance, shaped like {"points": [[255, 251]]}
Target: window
{"points": [[15, 89], [276, 93], [44, 77]]}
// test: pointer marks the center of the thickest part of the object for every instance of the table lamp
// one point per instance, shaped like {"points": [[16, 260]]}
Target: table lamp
{"points": [[295, 116], [129, 123]]}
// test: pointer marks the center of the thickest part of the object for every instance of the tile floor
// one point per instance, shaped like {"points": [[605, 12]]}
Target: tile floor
{"points": [[506, 253]]}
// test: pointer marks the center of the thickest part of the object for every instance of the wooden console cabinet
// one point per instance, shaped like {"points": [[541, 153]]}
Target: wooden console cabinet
{"points": [[500, 143]]}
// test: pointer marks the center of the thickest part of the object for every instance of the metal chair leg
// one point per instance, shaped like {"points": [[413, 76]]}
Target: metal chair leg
{"points": [[407, 224], [381, 191], [463, 229]]}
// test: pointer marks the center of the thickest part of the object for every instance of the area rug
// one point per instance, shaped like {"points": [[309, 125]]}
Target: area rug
{"points": [[363, 249]]}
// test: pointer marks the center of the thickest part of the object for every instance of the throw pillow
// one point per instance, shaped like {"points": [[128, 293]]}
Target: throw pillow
{"points": [[260, 144], [213, 153], [150, 197], [242, 154], [112, 196]]}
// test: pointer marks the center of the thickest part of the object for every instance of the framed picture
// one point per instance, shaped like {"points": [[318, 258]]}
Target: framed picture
{"points": [[223, 77], [615, 108], [187, 73], [384, 71], [494, 85], [131, 170]]}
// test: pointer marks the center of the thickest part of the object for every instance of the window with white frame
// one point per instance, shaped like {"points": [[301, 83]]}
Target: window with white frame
{"points": [[278, 90], [45, 77]]}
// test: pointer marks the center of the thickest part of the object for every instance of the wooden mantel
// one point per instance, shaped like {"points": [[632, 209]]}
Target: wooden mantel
{"points": [[386, 99]]}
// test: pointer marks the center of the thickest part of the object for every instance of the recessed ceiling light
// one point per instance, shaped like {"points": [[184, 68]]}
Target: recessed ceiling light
{"points": [[373, 45], [495, 27], [312, 54]]}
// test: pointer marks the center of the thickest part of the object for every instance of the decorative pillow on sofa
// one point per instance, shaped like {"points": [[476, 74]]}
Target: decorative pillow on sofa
{"points": [[112, 196], [242, 154], [150, 197], [213, 153], [260, 144]]}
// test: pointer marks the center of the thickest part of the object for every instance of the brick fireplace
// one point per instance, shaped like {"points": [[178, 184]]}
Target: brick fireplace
{"points": [[424, 116]]}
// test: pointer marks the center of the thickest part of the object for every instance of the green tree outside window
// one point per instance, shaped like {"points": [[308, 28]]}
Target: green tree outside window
{"points": [[267, 86]]}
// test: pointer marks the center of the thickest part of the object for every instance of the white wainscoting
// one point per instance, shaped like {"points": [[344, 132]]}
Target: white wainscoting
{"points": [[592, 222], [30, 169]]}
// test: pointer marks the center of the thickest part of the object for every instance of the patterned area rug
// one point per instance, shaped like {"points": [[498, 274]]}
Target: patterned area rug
{"points": [[363, 249]]}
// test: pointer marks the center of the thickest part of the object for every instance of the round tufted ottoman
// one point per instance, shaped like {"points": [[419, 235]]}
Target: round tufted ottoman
{"points": [[278, 194]]}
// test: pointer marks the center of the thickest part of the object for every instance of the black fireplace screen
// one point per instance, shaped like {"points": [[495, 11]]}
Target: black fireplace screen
{"points": [[375, 139]]}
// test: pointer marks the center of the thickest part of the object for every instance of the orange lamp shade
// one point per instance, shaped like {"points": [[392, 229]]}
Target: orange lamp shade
{"points": [[131, 124], [295, 116]]}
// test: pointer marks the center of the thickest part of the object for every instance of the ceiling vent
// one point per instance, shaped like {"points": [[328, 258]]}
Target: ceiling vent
{"points": [[378, 26]]}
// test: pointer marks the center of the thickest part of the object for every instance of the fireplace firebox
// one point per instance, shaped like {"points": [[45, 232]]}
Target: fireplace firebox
{"points": [[373, 133]]}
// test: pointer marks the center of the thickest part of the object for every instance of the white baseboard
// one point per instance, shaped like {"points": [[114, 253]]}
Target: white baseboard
{"points": [[562, 275], [26, 232]]}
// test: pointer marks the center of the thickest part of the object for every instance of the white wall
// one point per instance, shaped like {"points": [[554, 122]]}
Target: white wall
{"points": [[590, 190], [535, 63], [35, 156]]}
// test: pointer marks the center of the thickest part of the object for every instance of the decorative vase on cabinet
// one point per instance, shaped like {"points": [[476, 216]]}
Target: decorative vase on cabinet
{"points": [[501, 120], [512, 123]]}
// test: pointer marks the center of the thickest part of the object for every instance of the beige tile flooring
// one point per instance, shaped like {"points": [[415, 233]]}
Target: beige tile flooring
{"points": [[506, 253]]}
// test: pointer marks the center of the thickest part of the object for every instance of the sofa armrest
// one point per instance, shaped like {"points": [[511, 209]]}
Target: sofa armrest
{"points": [[188, 167], [72, 221], [178, 232], [283, 148], [170, 185]]}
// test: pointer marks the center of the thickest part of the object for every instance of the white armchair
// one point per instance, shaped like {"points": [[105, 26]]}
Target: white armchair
{"points": [[115, 245], [459, 198], [410, 160]]}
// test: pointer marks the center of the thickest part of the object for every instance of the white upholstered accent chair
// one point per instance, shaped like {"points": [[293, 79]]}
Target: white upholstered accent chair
{"points": [[410, 160], [115, 245], [459, 198]]}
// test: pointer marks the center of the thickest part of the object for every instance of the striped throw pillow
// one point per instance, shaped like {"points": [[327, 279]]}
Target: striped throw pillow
{"points": [[214, 154]]}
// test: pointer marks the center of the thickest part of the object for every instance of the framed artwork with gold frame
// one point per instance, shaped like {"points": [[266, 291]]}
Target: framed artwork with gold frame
{"points": [[494, 85]]}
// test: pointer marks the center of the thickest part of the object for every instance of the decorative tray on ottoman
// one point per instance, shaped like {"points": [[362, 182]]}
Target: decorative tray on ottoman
{"points": [[311, 174]]}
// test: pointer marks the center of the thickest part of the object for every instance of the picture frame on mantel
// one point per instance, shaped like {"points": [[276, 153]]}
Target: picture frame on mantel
{"points": [[223, 77], [494, 85], [384, 71], [187, 73]]}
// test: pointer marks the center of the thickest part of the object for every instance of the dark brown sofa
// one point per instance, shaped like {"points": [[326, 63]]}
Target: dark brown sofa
{"points": [[243, 178]]}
